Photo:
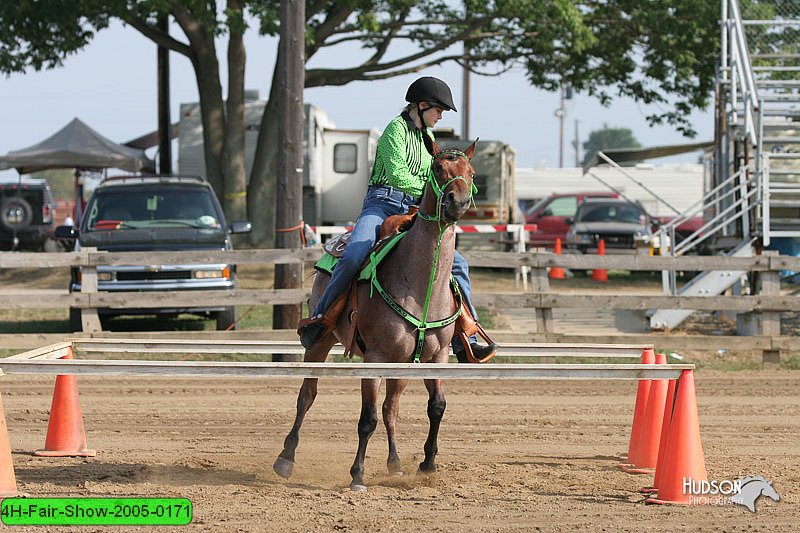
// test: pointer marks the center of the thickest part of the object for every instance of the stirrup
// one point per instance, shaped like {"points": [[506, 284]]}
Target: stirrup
{"points": [[323, 324], [316, 319], [468, 346]]}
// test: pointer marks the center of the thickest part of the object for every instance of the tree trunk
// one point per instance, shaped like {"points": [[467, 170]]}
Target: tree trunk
{"points": [[233, 166], [263, 180], [289, 210], [212, 112]]}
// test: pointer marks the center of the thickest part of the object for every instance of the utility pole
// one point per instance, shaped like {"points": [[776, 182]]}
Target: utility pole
{"points": [[576, 144], [561, 114], [465, 94], [164, 120], [289, 197], [565, 93]]}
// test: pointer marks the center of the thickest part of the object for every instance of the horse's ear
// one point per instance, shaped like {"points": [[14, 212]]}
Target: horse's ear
{"points": [[471, 150], [430, 144]]}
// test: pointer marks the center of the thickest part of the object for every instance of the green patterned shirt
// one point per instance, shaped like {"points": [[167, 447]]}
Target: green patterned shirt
{"points": [[402, 161]]}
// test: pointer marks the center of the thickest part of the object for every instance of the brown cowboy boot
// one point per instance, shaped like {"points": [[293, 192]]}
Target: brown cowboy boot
{"points": [[313, 328], [472, 352]]}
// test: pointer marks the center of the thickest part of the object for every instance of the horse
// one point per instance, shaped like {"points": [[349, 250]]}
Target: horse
{"points": [[752, 487], [420, 265]]}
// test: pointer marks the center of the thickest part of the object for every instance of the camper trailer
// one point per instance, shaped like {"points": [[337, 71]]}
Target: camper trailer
{"points": [[337, 162]]}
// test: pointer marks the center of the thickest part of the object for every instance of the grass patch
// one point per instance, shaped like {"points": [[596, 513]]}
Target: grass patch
{"points": [[793, 363], [732, 365], [17, 321]]}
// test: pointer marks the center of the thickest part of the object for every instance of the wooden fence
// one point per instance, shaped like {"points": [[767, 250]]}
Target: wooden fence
{"points": [[767, 304]]}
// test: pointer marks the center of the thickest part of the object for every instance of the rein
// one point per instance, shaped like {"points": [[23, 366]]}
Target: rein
{"points": [[421, 324]]}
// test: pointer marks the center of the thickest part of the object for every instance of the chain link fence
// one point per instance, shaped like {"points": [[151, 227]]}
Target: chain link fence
{"points": [[772, 29]]}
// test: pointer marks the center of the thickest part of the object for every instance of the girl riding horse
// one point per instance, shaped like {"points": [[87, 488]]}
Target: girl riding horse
{"points": [[402, 167], [416, 278]]}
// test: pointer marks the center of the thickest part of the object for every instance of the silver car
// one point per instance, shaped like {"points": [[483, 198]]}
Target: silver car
{"points": [[623, 226]]}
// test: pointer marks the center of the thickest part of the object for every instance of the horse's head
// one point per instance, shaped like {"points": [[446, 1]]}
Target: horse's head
{"points": [[451, 182], [769, 491]]}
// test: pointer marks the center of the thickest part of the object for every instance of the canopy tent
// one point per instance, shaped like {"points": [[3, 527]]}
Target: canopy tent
{"points": [[77, 146]]}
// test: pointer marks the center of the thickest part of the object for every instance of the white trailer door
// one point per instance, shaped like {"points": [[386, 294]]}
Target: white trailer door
{"points": [[345, 175]]}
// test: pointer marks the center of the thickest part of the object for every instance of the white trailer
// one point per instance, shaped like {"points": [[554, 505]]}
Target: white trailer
{"points": [[337, 162]]}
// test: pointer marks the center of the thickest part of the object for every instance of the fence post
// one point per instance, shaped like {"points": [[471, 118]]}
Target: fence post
{"points": [[540, 283], [770, 320], [522, 271], [90, 322]]}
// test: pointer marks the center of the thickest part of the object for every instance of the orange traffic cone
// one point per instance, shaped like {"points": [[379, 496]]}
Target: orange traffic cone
{"points": [[684, 465], [642, 393], [662, 441], [8, 482], [557, 272], [646, 456], [600, 274], [65, 434]]}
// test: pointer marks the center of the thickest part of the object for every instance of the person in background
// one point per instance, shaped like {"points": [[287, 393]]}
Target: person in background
{"points": [[402, 166]]}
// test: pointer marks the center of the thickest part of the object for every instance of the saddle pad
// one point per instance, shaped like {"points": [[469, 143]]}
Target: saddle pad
{"points": [[379, 252]]}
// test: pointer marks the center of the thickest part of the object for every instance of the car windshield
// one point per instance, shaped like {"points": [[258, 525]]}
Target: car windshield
{"points": [[610, 213], [150, 208], [532, 209]]}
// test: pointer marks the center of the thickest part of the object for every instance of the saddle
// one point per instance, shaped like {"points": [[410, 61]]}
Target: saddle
{"points": [[390, 227], [466, 324]]}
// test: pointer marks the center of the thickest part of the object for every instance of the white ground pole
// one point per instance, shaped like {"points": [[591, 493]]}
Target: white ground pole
{"points": [[134, 346], [46, 361]]}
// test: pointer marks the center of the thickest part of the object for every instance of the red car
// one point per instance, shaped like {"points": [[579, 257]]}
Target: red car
{"points": [[550, 216]]}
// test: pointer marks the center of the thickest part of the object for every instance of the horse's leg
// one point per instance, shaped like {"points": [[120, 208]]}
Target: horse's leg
{"points": [[305, 398], [391, 409], [367, 423], [436, 407]]}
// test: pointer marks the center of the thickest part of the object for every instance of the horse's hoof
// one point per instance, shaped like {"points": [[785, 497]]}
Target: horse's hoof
{"points": [[426, 469], [358, 488], [283, 467], [398, 474]]}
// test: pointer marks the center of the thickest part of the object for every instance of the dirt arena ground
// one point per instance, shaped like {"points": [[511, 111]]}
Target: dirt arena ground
{"points": [[514, 455]]}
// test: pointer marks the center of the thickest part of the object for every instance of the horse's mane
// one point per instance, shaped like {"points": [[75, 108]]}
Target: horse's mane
{"points": [[750, 479]]}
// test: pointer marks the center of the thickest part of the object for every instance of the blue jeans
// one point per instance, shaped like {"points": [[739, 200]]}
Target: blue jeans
{"points": [[380, 203]]}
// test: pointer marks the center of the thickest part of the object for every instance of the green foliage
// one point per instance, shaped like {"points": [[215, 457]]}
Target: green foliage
{"points": [[62, 183], [608, 138], [656, 52], [42, 34]]}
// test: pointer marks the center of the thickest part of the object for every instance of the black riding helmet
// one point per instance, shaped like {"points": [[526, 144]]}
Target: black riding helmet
{"points": [[432, 90]]}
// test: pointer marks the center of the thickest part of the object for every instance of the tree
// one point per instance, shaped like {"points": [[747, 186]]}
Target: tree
{"points": [[42, 34], [606, 138], [654, 52]]}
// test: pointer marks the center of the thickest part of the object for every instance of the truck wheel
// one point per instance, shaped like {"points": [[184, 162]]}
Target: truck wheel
{"points": [[75, 323], [15, 214], [226, 319]]}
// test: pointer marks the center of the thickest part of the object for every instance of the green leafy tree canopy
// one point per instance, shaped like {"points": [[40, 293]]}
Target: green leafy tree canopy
{"points": [[607, 138]]}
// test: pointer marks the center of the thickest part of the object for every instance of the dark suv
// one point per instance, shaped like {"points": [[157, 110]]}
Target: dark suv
{"points": [[157, 213], [27, 212], [623, 226]]}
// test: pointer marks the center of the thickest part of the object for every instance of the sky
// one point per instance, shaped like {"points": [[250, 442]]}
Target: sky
{"points": [[111, 86]]}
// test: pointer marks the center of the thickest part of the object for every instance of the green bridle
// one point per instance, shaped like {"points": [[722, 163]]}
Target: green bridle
{"points": [[421, 324], [439, 190]]}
